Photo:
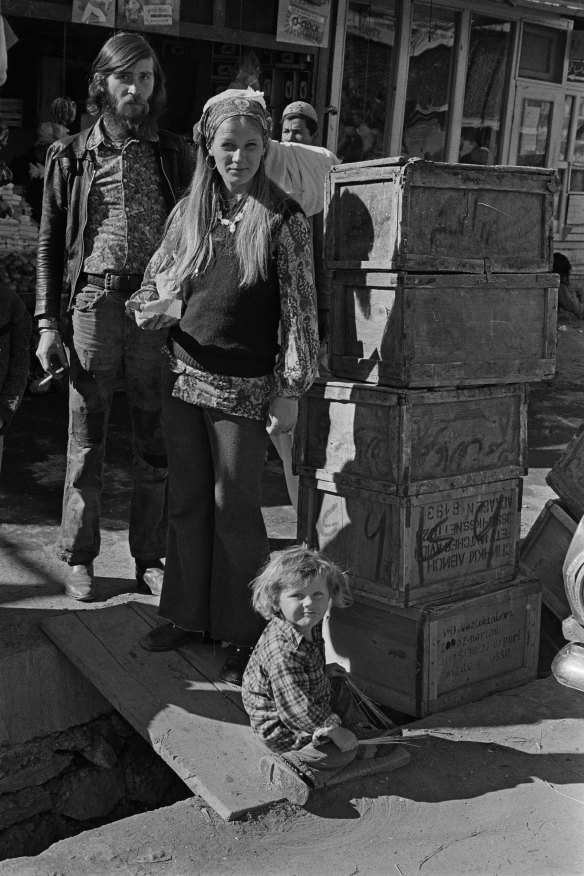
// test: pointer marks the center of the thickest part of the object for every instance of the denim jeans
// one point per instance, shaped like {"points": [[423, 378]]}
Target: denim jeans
{"points": [[101, 341], [319, 763]]}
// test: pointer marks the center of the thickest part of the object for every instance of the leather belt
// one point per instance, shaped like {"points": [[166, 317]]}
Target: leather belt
{"points": [[114, 282]]}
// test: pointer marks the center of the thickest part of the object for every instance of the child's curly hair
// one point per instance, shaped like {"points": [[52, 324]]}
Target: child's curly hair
{"points": [[290, 567]]}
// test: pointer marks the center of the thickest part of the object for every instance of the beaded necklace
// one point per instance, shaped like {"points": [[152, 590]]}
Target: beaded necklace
{"points": [[231, 221]]}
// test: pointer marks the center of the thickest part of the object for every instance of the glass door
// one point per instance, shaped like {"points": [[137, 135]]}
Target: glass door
{"points": [[537, 118], [570, 207]]}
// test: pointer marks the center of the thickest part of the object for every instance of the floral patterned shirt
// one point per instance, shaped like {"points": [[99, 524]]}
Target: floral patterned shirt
{"points": [[297, 362], [126, 210]]}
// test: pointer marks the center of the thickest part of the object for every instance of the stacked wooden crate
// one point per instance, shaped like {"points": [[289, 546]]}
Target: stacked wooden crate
{"points": [[443, 308]]}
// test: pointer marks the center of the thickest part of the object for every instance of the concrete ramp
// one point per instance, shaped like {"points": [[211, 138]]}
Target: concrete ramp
{"points": [[175, 700]]}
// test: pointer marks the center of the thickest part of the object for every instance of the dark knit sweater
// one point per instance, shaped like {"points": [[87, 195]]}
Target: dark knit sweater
{"points": [[227, 328]]}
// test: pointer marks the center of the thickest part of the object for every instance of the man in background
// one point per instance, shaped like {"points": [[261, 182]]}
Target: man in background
{"points": [[299, 123]]}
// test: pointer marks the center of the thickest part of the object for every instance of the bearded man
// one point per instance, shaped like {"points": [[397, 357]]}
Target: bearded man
{"points": [[108, 191]]}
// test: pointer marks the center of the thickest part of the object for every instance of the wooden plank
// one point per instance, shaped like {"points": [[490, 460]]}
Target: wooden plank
{"points": [[196, 730], [204, 658]]}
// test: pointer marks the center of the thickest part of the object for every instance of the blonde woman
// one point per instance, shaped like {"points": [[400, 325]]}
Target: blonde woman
{"points": [[236, 260]]}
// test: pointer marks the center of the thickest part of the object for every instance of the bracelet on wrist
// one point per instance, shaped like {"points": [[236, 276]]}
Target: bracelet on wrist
{"points": [[55, 331], [48, 322]]}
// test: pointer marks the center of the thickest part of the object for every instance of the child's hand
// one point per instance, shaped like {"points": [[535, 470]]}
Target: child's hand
{"points": [[344, 739], [335, 670]]}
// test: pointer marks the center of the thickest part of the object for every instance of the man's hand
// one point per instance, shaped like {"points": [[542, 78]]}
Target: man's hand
{"points": [[282, 416], [344, 739], [51, 352]]}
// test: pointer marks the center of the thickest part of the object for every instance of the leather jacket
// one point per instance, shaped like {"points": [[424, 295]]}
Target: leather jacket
{"points": [[69, 172]]}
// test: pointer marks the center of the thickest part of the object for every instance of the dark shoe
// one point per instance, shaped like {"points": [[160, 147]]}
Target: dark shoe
{"points": [[279, 774], [234, 666], [79, 583], [167, 637], [149, 576]]}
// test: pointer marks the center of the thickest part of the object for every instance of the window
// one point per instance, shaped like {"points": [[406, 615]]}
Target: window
{"points": [[368, 45], [429, 80], [542, 53], [484, 95], [534, 132]]}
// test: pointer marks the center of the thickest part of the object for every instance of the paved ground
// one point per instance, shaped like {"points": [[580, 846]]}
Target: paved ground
{"points": [[493, 787]]}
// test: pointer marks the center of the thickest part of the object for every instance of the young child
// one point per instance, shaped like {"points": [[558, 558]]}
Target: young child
{"points": [[302, 710], [15, 329]]}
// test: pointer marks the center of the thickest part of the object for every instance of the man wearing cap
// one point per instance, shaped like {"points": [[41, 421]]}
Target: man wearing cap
{"points": [[299, 123], [108, 191]]}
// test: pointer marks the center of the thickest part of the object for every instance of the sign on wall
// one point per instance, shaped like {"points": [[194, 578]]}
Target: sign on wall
{"points": [[305, 22], [100, 12], [149, 15]]}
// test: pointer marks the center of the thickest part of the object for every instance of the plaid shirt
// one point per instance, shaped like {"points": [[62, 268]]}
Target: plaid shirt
{"points": [[285, 690]]}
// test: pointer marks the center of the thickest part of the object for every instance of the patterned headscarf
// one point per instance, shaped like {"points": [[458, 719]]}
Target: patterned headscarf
{"points": [[230, 103]]}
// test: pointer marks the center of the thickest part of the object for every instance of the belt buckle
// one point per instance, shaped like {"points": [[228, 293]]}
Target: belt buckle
{"points": [[107, 280]]}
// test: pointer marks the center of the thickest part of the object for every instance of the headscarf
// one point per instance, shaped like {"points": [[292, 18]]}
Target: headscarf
{"points": [[231, 103]]}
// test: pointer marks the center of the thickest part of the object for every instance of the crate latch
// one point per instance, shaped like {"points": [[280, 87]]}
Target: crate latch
{"points": [[488, 268]]}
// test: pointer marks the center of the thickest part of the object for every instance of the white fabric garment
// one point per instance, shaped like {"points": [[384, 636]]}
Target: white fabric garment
{"points": [[301, 171]]}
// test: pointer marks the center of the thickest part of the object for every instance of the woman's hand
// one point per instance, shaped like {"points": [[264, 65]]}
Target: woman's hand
{"points": [[154, 321], [151, 312], [282, 416], [344, 739]]}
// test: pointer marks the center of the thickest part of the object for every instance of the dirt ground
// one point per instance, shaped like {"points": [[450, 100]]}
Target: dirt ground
{"points": [[495, 787]]}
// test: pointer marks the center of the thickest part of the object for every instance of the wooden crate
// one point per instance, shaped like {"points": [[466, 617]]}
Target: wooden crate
{"points": [[543, 551], [566, 477], [425, 216], [408, 550], [424, 660], [424, 330], [407, 442]]}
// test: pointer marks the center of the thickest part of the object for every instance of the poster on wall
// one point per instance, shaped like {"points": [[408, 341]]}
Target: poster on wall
{"points": [[305, 22], [149, 15], [100, 12]]}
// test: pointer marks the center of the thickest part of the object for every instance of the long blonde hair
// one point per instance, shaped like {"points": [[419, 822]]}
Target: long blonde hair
{"points": [[253, 234]]}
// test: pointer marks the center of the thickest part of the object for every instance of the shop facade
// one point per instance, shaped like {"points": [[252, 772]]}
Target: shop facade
{"points": [[478, 82], [212, 44]]}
